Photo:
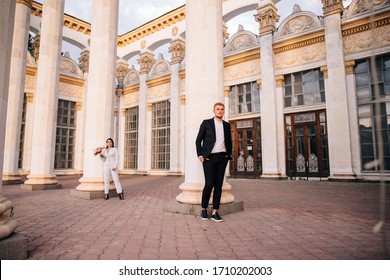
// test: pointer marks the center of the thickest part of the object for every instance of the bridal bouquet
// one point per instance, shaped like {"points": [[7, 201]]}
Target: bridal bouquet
{"points": [[98, 151]]}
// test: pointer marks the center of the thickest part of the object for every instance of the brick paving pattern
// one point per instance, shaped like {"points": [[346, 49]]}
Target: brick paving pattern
{"points": [[282, 220]]}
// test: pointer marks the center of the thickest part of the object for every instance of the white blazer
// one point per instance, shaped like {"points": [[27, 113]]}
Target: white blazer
{"points": [[110, 158]]}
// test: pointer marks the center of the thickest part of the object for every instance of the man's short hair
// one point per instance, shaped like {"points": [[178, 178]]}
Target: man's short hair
{"points": [[219, 103]]}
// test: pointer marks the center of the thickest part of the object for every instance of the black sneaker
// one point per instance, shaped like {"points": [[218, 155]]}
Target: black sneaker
{"points": [[216, 217], [204, 215]]}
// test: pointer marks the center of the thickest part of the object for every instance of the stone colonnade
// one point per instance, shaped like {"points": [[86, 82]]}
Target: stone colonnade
{"points": [[42, 173]]}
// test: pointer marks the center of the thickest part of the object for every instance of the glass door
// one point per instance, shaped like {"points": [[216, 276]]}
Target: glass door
{"points": [[246, 161], [307, 145]]}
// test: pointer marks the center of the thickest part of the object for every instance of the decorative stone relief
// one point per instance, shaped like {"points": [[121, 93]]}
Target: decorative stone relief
{"points": [[298, 24], [70, 90], [132, 77], [130, 99], [158, 91], [244, 69], [160, 67], [241, 40], [68, 66], [365, 40], [301, 55], [361, 6]]}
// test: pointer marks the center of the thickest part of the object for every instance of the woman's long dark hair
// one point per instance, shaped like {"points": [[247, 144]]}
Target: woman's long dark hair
{"points": [[111, 141]]}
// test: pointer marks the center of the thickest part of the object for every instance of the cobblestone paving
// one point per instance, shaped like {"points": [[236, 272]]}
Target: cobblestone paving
{"points": [[282, 220]]}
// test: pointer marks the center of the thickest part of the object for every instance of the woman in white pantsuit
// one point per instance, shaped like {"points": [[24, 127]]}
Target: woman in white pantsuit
{"points": [[110, 158]]}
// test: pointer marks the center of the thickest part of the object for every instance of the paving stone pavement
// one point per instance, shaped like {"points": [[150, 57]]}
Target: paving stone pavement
{"points": [[282, 220]]}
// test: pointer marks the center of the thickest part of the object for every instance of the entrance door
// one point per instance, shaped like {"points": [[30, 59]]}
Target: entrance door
{"points": [[307, 145], [246, 161]]}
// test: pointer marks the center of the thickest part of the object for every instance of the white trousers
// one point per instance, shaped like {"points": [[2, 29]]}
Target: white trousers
{"points": [[107, 171]]}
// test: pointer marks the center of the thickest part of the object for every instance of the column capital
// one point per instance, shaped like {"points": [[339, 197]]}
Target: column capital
{"points": [[267, 17], [28, 3], [123, 111], [150, 106], [324, 70], [182, 100], [36, 44], [177, 48], [279, 80], [225, 32], [259, 84], [227, 91], [122, 68], [350, 67], [84, 60], [146, 60], [79, 106], [332, 7]]}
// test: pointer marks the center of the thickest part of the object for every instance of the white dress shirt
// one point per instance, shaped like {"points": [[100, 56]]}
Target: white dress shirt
{"points": [[219, 145]]}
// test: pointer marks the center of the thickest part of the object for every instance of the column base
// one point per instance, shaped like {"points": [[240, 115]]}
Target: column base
{"points": [[195, 209], [192, 193], [9, 181], [14, 247], [273, 176], [90, 195], [349, 177], [40, 187]]}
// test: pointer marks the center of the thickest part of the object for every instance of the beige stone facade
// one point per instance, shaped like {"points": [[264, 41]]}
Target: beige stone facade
{"points": [[331, 45]]}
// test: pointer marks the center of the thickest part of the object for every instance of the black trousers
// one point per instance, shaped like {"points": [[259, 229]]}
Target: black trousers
{"points": [[214, 173]]}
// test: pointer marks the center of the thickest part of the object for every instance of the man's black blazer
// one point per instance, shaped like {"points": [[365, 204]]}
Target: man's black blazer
{"points": [[206, 138]]}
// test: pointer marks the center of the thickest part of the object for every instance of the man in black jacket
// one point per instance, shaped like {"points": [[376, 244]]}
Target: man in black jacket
{"points": [[214, 149]]}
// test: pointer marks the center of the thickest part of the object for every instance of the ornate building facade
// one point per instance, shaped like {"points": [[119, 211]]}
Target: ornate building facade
{"points": [[307, 99]]}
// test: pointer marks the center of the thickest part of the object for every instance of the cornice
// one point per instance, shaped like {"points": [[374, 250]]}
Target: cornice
{"points": [[69, 21], [153, 26], [365, 24], [299, 42], [130, 89], [242, 57], [159, 81], [71, 80]]}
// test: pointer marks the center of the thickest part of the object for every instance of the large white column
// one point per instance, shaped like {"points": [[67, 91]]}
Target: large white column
{"points": [[7, 16], [81, 114], [100, 93], [28, 131], [182, 134], [148, 137], [270, 115], [353, 118], [16, 92], [177, 49], [146, 60], [46, 99], [340, 155], [204, 87], [227, 111]]}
